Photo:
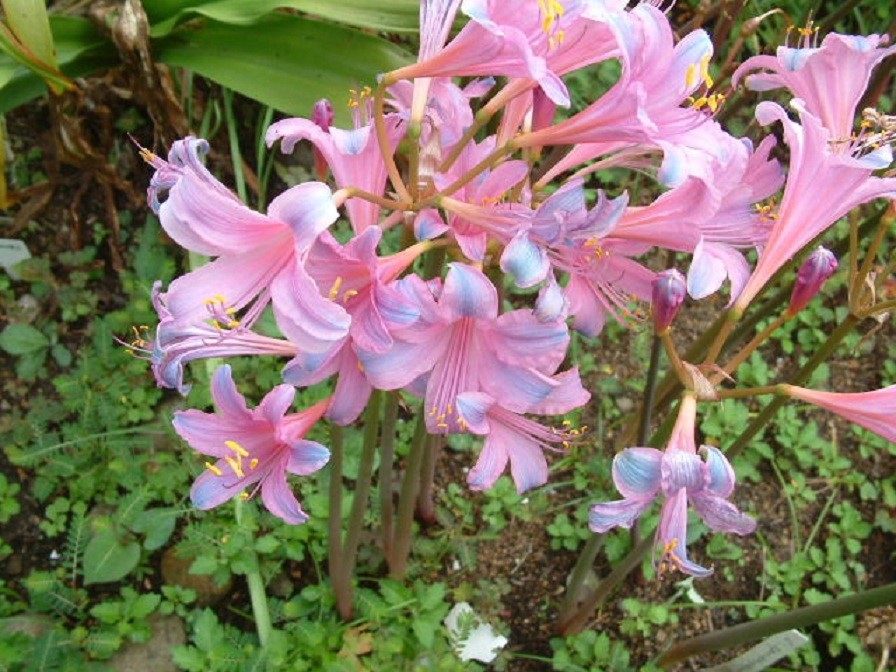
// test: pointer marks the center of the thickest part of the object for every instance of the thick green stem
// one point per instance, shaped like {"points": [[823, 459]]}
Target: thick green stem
{"points": [[577, 621], [426, 507], [334, 523], [256, 585], [359, 502], [387, 458], [763, 627], [410, 486], [579, 575]]}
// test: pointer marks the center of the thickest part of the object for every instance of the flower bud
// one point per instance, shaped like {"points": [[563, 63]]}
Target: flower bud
{"points": [[324, 116], [818, 267], [669, 290]]}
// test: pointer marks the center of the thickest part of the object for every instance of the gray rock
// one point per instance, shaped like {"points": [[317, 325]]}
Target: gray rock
{"points": [[168, 632]]}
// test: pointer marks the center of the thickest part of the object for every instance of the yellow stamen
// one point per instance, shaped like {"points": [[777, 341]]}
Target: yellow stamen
{"points": [[236, 466], [214, 469], [237, 448], [334, 290]]}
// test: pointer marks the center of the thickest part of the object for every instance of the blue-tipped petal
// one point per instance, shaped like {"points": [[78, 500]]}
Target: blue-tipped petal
{"points": [[306, 457], [636, 472], [721, 515], [681, 469], [525, 261], [350, 142], [473, 409], [429, 224], [621, 513], [227, 398], [468, 293], [308, 209], [211, 490], [551, 304], [719, 473]]}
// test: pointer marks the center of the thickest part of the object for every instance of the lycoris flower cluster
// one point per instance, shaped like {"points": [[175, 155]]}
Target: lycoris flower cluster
{"points": [[522, 251]]}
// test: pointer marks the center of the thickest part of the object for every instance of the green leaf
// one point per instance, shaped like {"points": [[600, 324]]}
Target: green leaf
{"points": [[144, 605], [106, 558], [157, 525], [278, 60], [393, 16], [80, 50], [62, 355], [20, 339], [204, 564]]}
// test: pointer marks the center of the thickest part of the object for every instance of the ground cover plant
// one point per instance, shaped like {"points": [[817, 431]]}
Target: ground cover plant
{"points": [[565, 344]]}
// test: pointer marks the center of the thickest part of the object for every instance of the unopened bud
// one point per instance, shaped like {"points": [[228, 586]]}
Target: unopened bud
{"points": [[324, 116], [818, 267], [669, 290]]}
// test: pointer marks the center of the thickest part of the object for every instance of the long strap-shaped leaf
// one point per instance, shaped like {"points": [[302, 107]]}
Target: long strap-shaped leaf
{"points": [[287, 62], [391, 16]]}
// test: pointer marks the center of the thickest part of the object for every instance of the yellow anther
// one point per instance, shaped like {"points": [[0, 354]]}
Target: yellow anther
{"points": [[147, 155], [349, 294], [214, 469], [704, 72], [233, 324], [230, 311], [433, 411], [690, 77], [253, 463], [237, 448], [334, 290], [442, 425], [360, 366], [244, 496], [235, 465]]}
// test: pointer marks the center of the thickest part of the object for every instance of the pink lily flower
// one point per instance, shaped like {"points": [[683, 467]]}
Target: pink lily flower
{"points": [[220, 335], [515, 439], [460, 344], [511, 43], [361, 283], [476, 211], [830, 79], [354, 156], [252, 250], [657, 76], [678, 474], [822, 186], [253, 448], [874, 410]]}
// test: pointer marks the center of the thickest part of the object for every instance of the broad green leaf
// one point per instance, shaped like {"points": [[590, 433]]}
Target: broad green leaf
{"points": [[29, 23], [287, 62], [20, 339], [393, 16], [80, 50], [157, 525], [107, 559]]}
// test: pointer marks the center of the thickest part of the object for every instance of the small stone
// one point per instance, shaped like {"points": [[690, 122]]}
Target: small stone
{"points": [[33, 625], [168, 632], [14, 565], [625, 404], [176, 570]]}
